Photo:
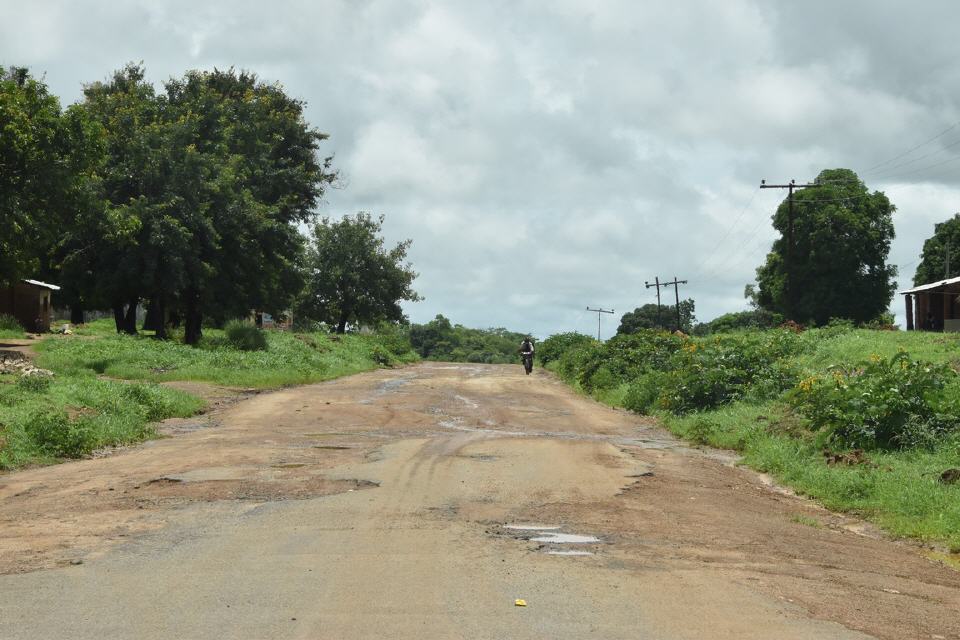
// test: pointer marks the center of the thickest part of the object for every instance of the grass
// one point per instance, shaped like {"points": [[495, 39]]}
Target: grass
{"points": [[897, 490], [77, 411], [72, 415], [289, 358]]}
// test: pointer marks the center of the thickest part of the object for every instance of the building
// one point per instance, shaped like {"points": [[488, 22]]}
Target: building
{"points": [[934, 306], [29, 302]]}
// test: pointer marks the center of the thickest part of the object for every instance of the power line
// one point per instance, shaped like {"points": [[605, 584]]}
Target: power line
{"points": [[912, 149], [726, 235], [891, 170]]}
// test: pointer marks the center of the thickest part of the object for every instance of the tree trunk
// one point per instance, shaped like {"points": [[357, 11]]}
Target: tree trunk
{"points": [[192, 329], [342, 325], [159, 320], [130, 319], [118, 316], [76, 314]]}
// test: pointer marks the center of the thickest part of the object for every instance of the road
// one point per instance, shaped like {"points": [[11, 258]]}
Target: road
{"points": [[422, 502]]}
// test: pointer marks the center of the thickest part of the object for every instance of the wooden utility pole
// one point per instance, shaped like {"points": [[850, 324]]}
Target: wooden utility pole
{"points": [[599, 311], [676, 293], [788, 284], [657, 284]]}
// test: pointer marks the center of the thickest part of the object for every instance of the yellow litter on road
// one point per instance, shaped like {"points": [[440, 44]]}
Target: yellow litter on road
{"points": [[520, 603]]}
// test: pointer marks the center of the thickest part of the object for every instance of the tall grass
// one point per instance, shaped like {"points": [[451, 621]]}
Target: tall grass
{"points": [[289, 358]]}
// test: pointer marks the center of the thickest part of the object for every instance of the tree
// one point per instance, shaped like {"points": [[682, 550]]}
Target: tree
{"points": [[842, 236], [209, 182], [933, 260], [646, 317], [352, 278], [46, 159]]}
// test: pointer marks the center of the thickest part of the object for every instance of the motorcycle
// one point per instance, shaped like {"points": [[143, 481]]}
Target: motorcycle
{"points": [[527, 361]]}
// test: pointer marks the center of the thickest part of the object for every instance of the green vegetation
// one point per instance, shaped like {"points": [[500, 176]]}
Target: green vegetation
{"points": [[288, 359], [862, 420], [354, 279], [245, 336], [650, 316], [9, 327], [44, 418], [443, 341], [933, 260], [841, 236]]}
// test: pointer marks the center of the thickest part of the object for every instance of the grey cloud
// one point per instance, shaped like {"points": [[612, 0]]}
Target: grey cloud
{"points": [[548, 155]]}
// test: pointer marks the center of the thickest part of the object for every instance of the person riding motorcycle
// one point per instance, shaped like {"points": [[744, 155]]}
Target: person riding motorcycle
{"points": [[526, 354]]}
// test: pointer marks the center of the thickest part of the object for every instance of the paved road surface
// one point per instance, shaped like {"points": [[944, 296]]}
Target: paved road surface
{"points": [[381, 506]]}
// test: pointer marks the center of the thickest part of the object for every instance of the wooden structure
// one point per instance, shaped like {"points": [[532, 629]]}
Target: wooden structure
{"points": [[934, 306], [29, 302]]}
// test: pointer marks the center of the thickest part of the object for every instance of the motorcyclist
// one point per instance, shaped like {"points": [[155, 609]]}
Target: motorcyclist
{"points": [[526, 353]]}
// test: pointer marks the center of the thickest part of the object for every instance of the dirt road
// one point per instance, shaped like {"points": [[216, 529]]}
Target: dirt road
{"points": [[421, 503]]}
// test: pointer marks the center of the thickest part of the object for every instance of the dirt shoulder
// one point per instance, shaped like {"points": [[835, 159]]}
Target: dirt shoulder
{"points": [[474, 448]]}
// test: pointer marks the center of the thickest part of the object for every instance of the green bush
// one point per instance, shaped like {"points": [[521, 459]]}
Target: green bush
{"points": [[643, 393], [245, 336], [53, 432], [886, 403], [554, 347], [34, 383], [10, 324]]}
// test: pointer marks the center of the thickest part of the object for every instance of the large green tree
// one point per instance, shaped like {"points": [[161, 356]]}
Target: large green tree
{"points": [[206, 184], [47, 158], [838, 263], [933, 260], [648, 317], [352, 278]]}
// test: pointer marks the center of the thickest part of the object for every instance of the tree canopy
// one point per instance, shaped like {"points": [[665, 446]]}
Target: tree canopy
{"points": [[933, 259], [352, 278], [647, 317], [46, 166], [842, 236]]}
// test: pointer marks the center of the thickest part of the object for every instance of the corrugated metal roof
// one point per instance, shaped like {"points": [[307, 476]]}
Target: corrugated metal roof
{"points": [[44, 285], [932, 285]]}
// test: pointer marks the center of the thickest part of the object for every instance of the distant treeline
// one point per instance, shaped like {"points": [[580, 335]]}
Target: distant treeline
{"points": [[441, 340]]}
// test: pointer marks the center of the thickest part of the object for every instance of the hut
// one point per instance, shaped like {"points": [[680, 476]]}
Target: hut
{"points": [[934, 306], [29, 302]]}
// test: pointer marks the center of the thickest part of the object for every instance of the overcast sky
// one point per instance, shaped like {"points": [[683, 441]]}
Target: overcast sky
{"points": [[546, 156]]}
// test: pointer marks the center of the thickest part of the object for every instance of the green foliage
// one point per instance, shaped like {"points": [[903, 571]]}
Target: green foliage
{"points": [[10, 327], [440, 340], [289, 358], [34, 383], [353, 278], [647, 317], [9, 323], [555, 346], [842, 236], [891, 402], [643, 393], [245, 336], [753, 319], [933, 259], [75, 413]]}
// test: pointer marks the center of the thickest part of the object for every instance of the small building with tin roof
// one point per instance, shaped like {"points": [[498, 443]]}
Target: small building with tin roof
{"points": [[29, 302], [934, 306]]}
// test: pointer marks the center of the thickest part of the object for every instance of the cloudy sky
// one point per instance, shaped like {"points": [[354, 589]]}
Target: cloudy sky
{"points": [[546, 156]]}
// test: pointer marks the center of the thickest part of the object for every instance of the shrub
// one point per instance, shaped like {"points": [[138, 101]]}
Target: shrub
{"points": [[34, 383], [54, 433], [9, 323], [245, 336], [881, 403], [155, 404], [643, 393], [554, 347]]}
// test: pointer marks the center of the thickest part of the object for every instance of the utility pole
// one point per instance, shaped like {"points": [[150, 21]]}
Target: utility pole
{"points": [[656, 283], [946, 271], [788, 284], [599, 311], [676, 292]]}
